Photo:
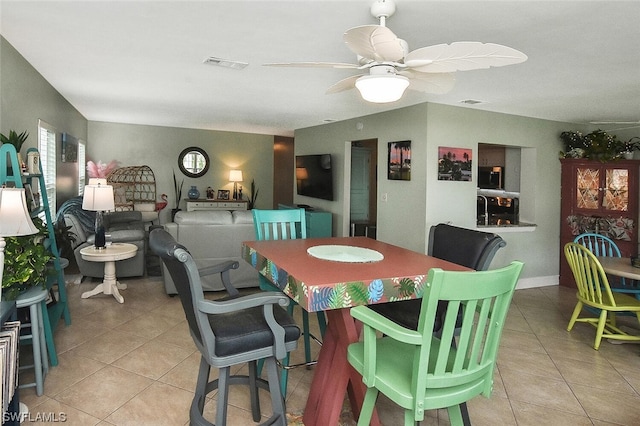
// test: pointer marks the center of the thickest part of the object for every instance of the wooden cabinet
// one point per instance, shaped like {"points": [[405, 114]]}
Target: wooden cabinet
{"points": [[196, 205], [490, 155], [602, 198]]}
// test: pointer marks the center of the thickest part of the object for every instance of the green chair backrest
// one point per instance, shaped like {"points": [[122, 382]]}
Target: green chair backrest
{"points": [[288, 224], [469, 363], [591, 280]]}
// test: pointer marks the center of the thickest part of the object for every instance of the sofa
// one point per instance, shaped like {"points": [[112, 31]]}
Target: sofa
{"points": [[123, 227], [212, 237]]}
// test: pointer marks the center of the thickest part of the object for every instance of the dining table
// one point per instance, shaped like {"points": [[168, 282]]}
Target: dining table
{"points": [[332, 275], [620, 267]]}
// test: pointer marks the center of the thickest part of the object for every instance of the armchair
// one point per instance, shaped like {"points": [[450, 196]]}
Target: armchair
{"points": [[229, 332], [124, 227], [419, 371]]}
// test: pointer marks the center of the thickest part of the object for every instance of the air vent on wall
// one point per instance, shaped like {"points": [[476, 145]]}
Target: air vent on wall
{"points": [[226, 63]]}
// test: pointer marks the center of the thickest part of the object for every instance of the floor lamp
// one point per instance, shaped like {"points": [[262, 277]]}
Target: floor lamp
{"points": [[14, 220], [98, 197]]}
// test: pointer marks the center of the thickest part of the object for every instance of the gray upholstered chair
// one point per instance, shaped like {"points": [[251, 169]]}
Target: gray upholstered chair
{"points": [[467, 247], [229, 332], [124, 227]]}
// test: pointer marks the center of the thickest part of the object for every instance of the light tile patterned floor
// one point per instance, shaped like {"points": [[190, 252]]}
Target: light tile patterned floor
{"points": [[135, 364]]}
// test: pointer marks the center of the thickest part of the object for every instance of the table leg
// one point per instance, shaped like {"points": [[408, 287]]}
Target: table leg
{"points": [[109, 284], [333, 374]]}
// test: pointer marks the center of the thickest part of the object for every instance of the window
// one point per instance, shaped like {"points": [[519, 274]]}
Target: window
{"points": [[47, 148]]}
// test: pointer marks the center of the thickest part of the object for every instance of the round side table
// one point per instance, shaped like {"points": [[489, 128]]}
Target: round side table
{"points": [[109, 255]]}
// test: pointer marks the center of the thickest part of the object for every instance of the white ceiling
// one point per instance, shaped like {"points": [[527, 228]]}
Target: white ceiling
{"points": [[141, 61]]}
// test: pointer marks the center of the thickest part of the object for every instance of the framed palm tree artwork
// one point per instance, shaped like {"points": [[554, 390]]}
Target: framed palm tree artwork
{"points": [[399, 163], [454, 164]]}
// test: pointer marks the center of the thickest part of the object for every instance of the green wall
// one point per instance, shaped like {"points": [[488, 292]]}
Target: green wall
{"points": [[158, 147], [412, 207]]}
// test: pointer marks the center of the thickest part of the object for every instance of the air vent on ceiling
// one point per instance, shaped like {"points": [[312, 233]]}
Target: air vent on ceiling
{"points": [[226, 63], [472, 102]]}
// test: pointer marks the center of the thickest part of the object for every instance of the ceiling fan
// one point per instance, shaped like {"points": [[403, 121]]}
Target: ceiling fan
{"points": [[625, 124], [389, 68]]}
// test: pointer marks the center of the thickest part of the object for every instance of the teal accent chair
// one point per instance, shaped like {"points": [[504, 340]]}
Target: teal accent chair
{"points": [[283, 225], [420, 371]]}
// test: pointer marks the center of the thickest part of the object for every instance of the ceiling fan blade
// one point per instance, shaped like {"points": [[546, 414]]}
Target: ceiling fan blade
{"points": [[614, 122], [462, 56], [344, 84], [429, 82], [313, 65], [375, 42]]}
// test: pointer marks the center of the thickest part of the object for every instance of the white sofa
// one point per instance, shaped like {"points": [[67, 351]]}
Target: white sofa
{"points": [[212, 237]]}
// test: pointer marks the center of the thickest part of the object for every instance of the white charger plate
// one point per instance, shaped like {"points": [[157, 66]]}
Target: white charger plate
{"points": [[347, 254]]}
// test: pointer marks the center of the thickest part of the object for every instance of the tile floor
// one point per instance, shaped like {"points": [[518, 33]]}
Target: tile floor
{"points": [[135, 364]]}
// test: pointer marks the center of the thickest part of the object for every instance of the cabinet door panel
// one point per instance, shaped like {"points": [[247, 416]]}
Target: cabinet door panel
{"points": [[616, 190], [587, 188]]}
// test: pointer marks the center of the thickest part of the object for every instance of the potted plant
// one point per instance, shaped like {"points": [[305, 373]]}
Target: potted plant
{"points": [[597, 145], [25, 262], [251, 199], [15, 139], [627, 147]]}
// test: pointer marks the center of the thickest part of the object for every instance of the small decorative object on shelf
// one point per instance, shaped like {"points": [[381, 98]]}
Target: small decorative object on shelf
{"points": [[211, 194], [33, 163], [193, 193]]}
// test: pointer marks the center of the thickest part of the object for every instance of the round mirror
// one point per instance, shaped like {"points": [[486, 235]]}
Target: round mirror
{"points": [[193, 162]]}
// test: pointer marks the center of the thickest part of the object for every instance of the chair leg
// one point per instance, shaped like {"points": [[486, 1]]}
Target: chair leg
{"points": [[601, 323], [306, 336], [277, 398], [223, 396], [574, 316], [455, 416], [253, 391], [466, 421], [368, 404], [48, 335], [197, 406]]}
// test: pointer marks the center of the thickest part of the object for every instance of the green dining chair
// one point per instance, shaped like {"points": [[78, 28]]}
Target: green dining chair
{"points": [[419, 371], [594, 292], [283, 225]]}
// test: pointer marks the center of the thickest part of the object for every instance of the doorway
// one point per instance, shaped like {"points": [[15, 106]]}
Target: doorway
{"points": [[364, 188]]}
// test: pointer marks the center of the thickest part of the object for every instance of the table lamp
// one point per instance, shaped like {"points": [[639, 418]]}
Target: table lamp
{"points": [[235, 176], [98, 197], [14, 220]]}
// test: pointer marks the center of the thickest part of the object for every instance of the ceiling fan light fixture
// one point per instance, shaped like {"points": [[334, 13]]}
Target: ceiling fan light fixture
{"points": [[382, 88]]}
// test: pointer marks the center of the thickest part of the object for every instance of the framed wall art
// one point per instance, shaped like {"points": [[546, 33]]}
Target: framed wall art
{"points": [[69, 148], [454, 164], [223, 194], [399, 161]]}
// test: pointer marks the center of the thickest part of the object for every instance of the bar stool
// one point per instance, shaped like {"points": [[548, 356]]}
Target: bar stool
{"points": [[35, 298]]}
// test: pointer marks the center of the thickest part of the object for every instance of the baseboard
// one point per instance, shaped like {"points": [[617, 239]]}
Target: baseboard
{"points": [[534, 282]]}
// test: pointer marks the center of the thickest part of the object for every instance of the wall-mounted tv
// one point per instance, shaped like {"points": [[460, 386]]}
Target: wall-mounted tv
{"points": [[314, 176]]}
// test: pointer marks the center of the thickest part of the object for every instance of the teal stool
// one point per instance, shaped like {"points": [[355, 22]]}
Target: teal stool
{"points": [[35, 299]]}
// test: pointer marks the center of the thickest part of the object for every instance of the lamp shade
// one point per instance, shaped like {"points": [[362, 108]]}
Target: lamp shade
{"points": [[14, 215], [382, 88], [98, 198], [235, 176]]}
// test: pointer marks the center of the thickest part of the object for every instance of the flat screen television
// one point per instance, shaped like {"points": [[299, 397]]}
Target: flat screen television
{"points": [[314, 176]]}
